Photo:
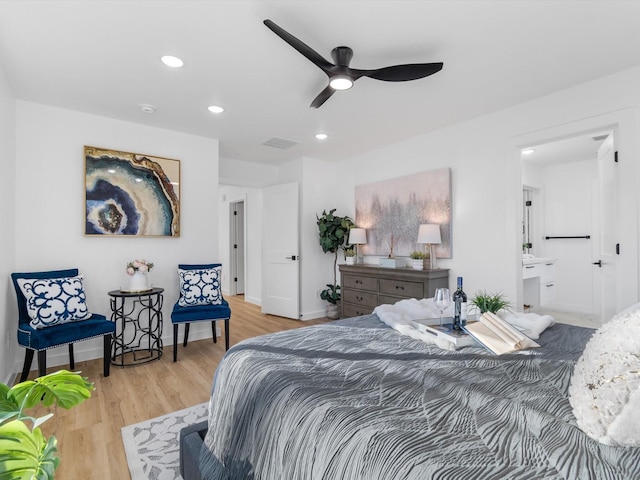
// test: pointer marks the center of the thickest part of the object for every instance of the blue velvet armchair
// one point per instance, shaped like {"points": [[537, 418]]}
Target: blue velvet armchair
{"points": [[50, 330], [200, 300]]}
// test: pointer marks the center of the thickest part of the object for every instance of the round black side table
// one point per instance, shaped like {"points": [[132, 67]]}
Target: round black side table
{"points": [[138, 318]]}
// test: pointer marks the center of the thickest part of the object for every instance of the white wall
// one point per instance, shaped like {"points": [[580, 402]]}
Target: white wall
{"points": [[8, 309], [252, 198], [50, 195], [246, 174], [484, 158]]}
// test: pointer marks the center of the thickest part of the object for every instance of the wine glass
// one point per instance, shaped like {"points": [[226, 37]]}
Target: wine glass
{"points": [[442, 299]]}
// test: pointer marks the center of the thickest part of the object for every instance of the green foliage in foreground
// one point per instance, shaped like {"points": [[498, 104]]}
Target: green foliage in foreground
{"points": [[24, 453]]}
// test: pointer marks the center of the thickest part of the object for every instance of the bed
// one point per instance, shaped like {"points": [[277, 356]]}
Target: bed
{"points": [[354, 399]]}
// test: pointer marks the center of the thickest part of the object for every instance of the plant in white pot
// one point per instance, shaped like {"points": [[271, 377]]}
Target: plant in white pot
{"points": [[350, 255], [333, 231], [417, 260]]}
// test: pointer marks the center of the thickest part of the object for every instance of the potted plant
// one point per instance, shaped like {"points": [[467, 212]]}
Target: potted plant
{"points": [[489, 302], [25, 453], [417, 260], [350, 255], [333, 231]]}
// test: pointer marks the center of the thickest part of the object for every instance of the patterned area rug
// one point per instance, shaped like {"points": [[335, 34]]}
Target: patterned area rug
{"points": [[152, 446]]}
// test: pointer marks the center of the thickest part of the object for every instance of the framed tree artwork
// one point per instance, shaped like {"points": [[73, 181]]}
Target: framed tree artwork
{"points": [[131, 194], [393, 210]]}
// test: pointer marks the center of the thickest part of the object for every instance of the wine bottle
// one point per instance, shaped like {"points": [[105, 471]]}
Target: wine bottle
{"points": [[459, 307]]}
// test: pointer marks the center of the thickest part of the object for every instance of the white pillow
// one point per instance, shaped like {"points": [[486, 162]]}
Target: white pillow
{"points": [[605, 386], [54, 301], [200, 287]]}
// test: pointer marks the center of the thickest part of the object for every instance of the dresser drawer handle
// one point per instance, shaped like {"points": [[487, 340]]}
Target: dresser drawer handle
{"points": [[359, 299], [358, 282], [399, 287], [530, 267]]}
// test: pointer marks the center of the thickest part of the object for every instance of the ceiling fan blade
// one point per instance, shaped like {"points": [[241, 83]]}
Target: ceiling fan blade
{"points": [[322, 97], [300, 46], [401, 73]]}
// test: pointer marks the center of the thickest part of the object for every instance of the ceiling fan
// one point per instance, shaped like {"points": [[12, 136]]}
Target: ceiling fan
{"points": [[341, 76]]}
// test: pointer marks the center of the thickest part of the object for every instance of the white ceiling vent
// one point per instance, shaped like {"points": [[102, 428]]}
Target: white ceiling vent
{"points": [[280, 143]]}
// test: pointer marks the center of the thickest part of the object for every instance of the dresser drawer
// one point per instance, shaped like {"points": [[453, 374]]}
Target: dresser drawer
{"points": [[349, 310], [360, 282], [401, 288], [360, 298], [388, 300]]}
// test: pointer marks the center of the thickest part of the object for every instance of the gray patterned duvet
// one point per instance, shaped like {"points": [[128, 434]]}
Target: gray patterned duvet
{"points": [[355, 399]]}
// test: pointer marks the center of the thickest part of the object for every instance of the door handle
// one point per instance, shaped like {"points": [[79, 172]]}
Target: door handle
{"points": [[292, 257], [599, 263]]}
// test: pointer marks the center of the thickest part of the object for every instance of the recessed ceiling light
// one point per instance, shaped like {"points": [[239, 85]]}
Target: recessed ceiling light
{"points": [[215, 109], [528, 151], [321, 136], [171, 61], [147, 108], [111, 170]]}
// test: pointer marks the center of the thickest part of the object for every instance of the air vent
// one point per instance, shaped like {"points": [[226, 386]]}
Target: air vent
{"points": [[280, 143]]}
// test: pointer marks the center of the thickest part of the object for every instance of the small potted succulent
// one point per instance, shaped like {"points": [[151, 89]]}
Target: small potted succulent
{"points": [[417, 260], [350, 255]]}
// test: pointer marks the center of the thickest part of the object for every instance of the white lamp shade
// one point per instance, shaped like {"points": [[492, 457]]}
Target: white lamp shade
{"points": [[429, 233], [357, 236]]}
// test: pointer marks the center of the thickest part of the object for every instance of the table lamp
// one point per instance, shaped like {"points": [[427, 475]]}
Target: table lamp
{"points": [[357, 236], [429, 234]]}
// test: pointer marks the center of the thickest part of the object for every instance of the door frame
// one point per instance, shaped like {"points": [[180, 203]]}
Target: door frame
{"points": [[624, 122]]}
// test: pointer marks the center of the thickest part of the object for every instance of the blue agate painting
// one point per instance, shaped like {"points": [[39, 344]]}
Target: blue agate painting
{"points": [[131, 194]]}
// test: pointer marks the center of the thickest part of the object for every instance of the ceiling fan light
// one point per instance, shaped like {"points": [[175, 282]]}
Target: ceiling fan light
{"points": [[341, 82]]}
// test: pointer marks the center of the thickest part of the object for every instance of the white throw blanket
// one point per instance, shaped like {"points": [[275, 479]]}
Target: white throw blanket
{"points": [[399, 315]]}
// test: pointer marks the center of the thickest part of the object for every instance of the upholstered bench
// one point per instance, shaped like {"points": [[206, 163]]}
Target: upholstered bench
{"points": [[191, 439]]}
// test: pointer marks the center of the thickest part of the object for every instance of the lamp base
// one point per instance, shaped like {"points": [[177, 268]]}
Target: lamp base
{"points": [[432, 257]]}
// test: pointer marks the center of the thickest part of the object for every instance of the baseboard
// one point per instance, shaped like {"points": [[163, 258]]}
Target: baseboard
{"points": [[313, 315], [253, 300]]}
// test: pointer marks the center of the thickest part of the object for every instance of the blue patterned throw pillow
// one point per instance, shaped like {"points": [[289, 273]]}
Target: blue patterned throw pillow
{"points": [[200, 287], [53, 301]]}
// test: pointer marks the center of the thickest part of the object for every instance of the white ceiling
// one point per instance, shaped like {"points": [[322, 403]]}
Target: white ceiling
{"points": [[102, 57], [567, 150]]}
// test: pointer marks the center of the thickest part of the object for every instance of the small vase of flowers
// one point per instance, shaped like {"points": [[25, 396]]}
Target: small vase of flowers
{"points": [[137, 270]]}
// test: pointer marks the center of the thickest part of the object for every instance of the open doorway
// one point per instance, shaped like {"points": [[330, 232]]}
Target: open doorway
{"points": [[237, 247], [565, 184]]}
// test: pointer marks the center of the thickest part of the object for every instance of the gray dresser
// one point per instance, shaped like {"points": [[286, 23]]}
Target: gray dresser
{"points": [[364, 287]]}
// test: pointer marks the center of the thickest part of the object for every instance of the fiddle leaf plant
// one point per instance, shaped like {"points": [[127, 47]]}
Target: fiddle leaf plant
{"points": [[333, 232], [24, 452]]}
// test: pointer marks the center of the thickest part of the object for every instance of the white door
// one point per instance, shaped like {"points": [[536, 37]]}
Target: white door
{"points": [[280, 267], [605, 261]]}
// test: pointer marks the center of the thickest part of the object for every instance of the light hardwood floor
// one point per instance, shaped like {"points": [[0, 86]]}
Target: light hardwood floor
{"points": [[89, 439]]}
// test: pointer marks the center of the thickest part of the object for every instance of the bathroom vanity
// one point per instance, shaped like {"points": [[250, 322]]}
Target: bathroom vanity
{"points": [[538, 278]]}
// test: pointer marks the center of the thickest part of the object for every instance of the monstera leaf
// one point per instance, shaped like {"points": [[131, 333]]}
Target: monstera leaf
{"points": [[24, 453]]}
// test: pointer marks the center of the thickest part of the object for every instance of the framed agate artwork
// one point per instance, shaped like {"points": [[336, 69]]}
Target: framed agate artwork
{"points": [[130, 194]]}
